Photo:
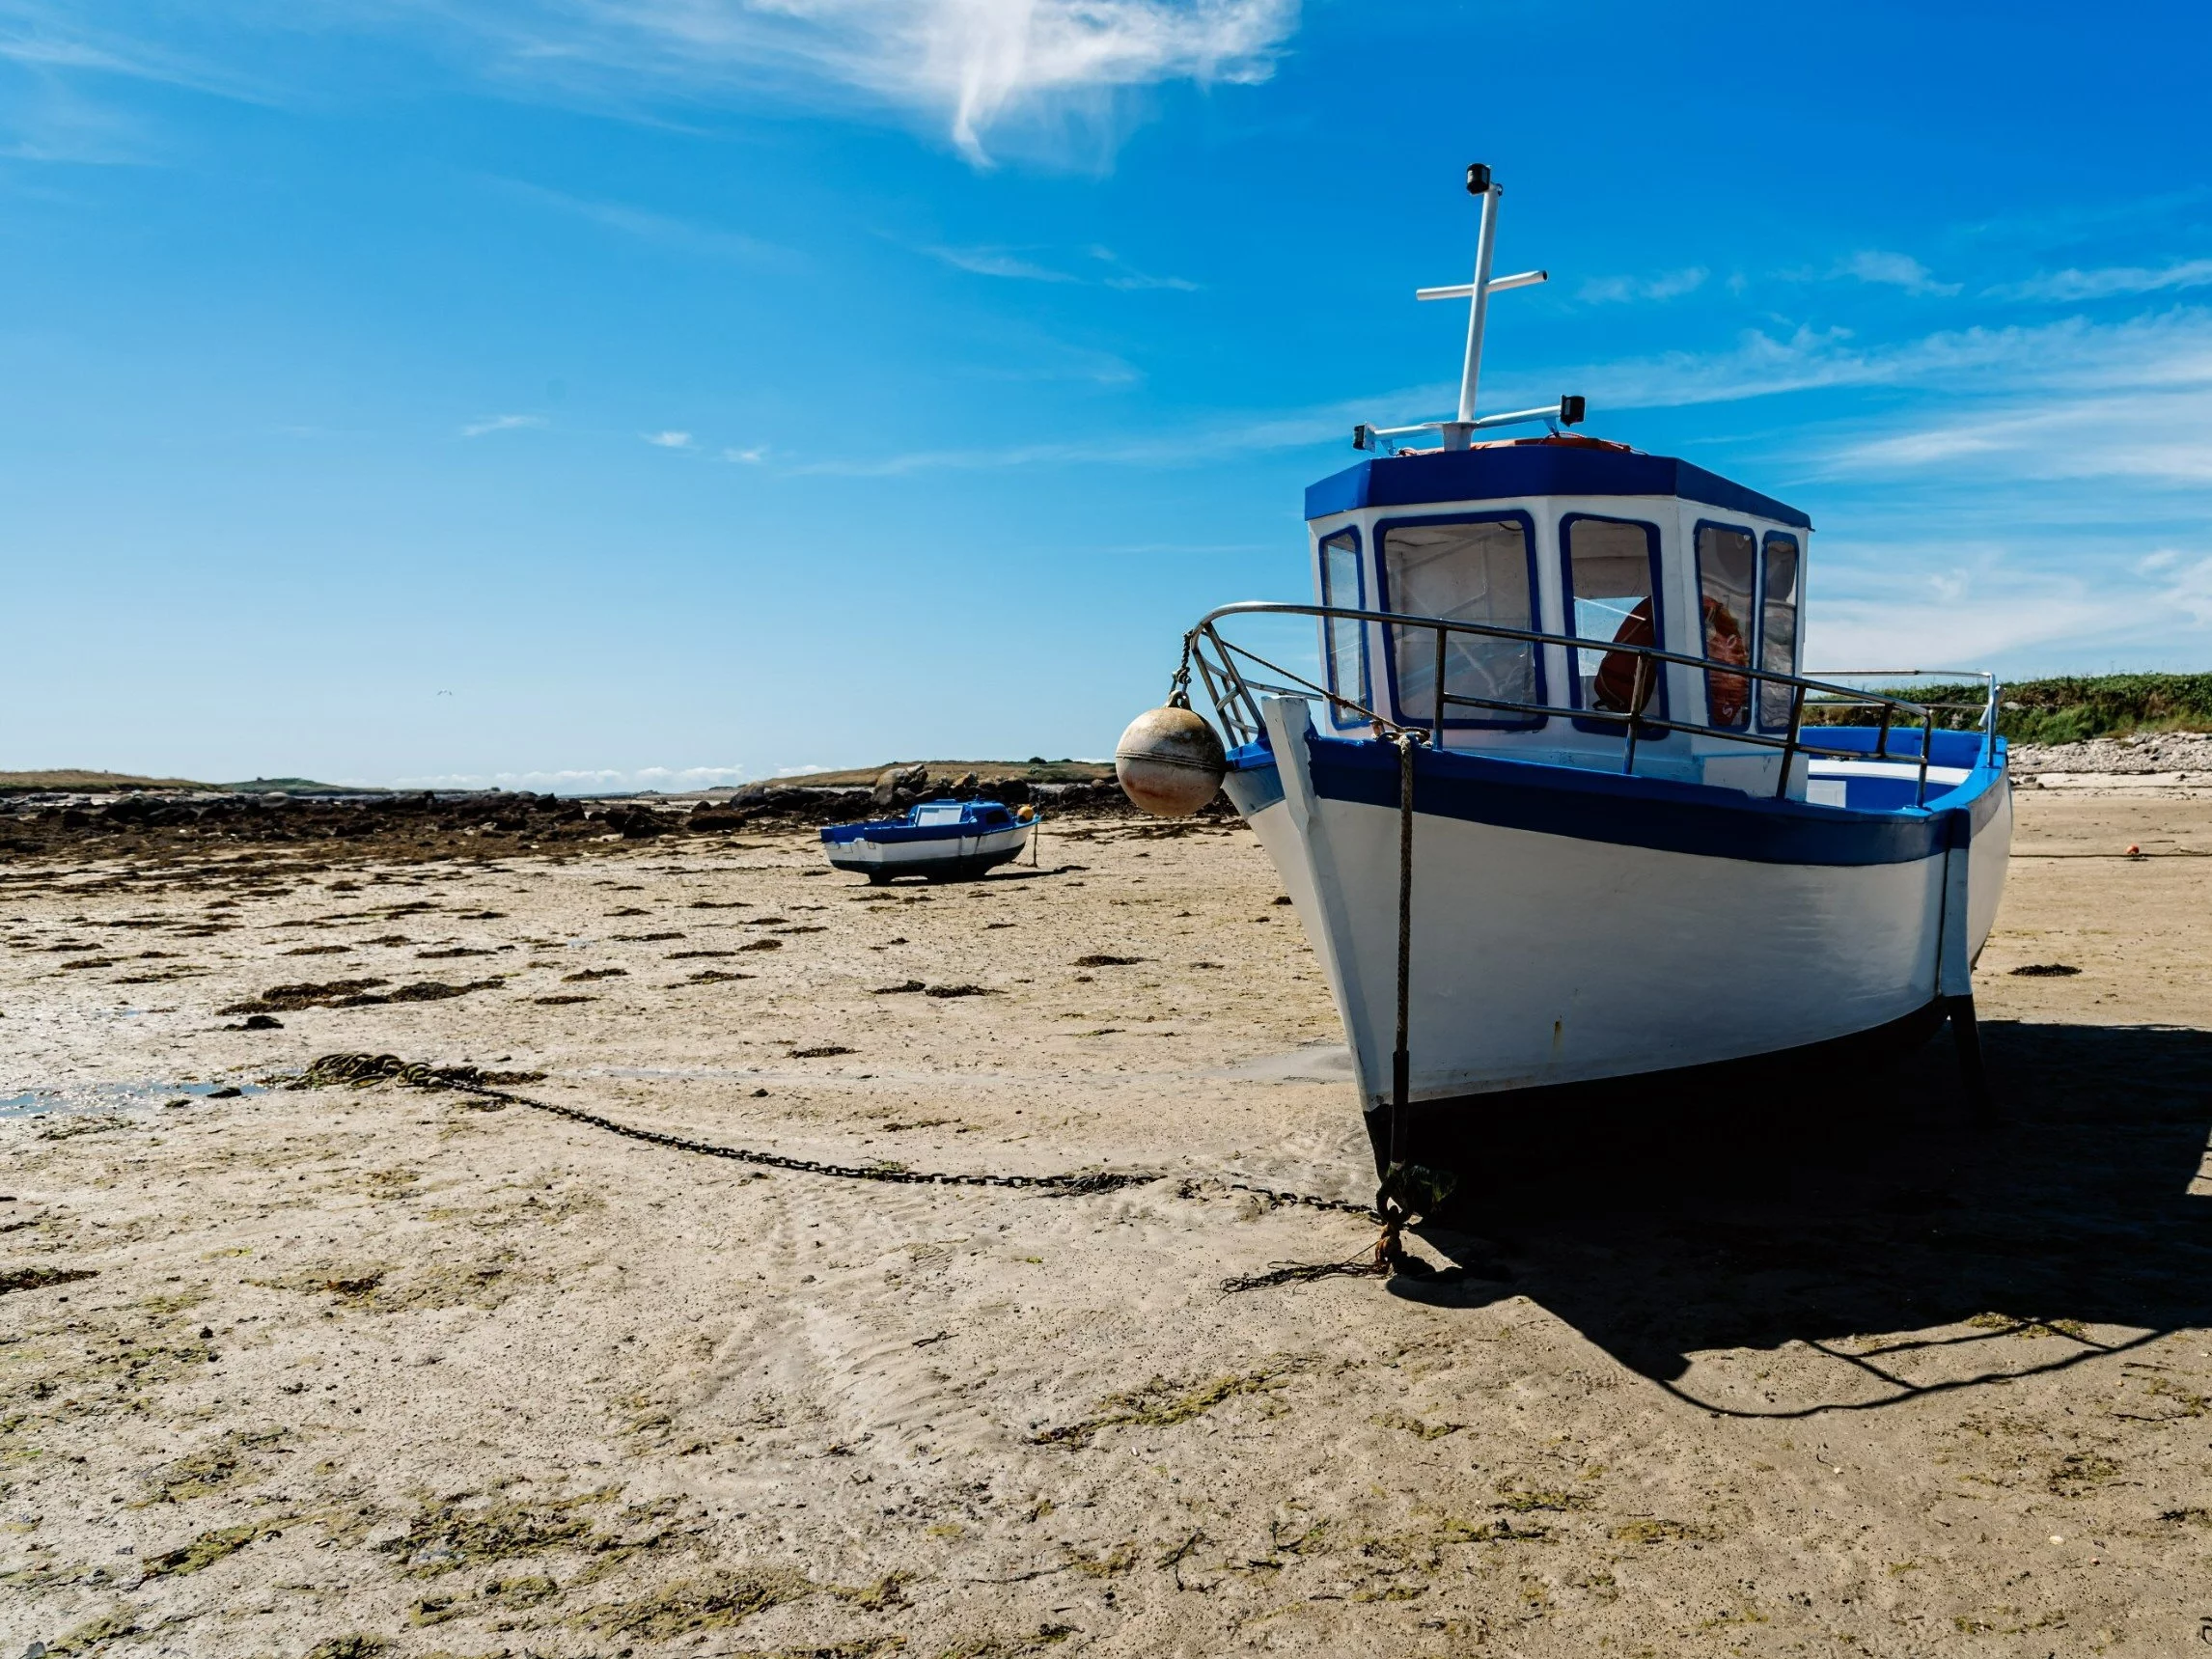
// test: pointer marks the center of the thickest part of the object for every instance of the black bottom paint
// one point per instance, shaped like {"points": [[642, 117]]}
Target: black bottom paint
{"points": [[1471, 1132], [945, 870]]}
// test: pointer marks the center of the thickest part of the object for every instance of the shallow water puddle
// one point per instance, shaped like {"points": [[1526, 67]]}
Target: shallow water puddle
{"points": [[111, 1098]]}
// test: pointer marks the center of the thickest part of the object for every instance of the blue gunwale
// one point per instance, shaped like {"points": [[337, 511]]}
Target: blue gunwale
{"points": [[978, 818], [1661, 813]]}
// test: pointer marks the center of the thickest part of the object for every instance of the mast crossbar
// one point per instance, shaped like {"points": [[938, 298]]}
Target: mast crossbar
{"points": [[1459, 433]]}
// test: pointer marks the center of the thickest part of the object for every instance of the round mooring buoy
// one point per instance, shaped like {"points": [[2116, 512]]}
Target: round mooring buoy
{"points": [[1169, 762]]}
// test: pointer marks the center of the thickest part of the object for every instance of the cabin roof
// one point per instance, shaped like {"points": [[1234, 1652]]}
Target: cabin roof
{"points": [[1539, 466]]}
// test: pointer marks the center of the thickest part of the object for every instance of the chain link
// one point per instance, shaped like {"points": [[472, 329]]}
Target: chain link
{"points": [[361, 1070]]}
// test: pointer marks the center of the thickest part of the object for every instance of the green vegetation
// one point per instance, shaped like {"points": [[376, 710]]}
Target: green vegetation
{"points": [[78, 781], [83, 782], [206, 1550], [1036, 769], [1160, 1404], [297, 786], [712, 1602], [2066, 709], [2108, 705]]}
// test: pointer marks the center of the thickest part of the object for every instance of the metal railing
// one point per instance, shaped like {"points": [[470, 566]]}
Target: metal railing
{"points": [[1236, 694]]}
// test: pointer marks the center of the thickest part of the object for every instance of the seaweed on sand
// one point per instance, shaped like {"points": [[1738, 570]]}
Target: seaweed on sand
{"points": [[712, 1601], [1160, 1404], [206, 1550]]}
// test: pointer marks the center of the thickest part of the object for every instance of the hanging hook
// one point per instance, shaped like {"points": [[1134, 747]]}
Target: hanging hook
{"points": [[1180, 687]]}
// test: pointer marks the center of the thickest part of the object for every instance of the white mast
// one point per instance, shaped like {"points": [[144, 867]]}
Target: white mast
{"points": [[1459, 433]]}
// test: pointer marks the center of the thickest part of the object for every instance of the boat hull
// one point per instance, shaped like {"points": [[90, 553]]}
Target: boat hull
{"points": [[1759, 1093], [1575, 928], [957, 857]]}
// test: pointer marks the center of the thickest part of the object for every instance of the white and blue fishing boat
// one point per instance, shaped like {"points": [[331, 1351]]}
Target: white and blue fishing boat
{"points": [[1562, 815], [943, 841]]}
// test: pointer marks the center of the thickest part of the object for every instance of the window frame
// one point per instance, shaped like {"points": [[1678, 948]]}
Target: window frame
{"points": [[1659, 705], [1797, 624], [1504, 721], [1750, 533], [1338, 718]]}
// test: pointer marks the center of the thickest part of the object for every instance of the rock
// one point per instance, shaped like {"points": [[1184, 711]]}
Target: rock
{"points": [[899, 787], [965, 785]]}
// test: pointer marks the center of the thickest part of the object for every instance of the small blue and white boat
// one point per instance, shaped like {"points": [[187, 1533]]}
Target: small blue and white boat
{"points": [[943, 840], [1558, 807]]}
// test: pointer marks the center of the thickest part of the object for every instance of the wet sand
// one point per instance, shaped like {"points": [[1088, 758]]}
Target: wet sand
{"points": [[383, 1371]]}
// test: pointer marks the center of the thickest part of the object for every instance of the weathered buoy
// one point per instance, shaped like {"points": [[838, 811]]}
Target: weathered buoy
{"points": [[1169, 762]]}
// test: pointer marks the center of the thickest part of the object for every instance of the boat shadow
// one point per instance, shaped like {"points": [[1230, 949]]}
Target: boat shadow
{"points": [[1737, 1253]]}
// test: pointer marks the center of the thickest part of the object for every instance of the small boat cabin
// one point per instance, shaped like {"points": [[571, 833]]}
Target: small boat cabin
{"points": [[1562, 535]]}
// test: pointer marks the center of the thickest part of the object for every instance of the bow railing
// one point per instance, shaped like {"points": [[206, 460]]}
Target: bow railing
{"points": [[1224, 668]]}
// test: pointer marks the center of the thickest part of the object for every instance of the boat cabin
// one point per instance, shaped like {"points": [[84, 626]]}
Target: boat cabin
{"points": [[1573, 536]]}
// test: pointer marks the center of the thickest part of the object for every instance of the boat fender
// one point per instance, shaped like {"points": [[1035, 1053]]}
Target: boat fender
{"points": [[1169, 762]]}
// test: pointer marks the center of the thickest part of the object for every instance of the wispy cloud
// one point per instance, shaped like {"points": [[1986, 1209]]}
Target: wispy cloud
{"points": [[1128, 277], [661, 229], [1893, 270], [40, 35], [1009, 263], [500, 423], [1190, 444], [57, 106], [753, 456], [974, 66], [45, 116], [669, 440], [997, 262], [2068, 285], [1018, 70], [2160, 437], [1939, 605], [2075, 356], [2071, 401], [1621, 290]]}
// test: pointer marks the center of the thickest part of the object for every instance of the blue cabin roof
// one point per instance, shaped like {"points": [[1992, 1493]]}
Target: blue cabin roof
{"points": [[1542, 467]]}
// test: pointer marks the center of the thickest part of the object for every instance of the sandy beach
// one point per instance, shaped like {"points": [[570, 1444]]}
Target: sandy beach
{"points": [[391, 1370]]}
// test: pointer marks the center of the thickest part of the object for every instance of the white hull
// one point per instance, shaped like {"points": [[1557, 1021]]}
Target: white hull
{"points": [[917, 857], [1544, 958]]}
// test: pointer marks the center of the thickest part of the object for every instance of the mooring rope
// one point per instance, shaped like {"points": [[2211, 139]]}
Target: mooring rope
{"points": [[363, 1069], [1390, 1206]]}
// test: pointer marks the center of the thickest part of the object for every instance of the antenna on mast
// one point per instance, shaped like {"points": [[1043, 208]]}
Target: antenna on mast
{"points": [[1488, 191], [1459, 433]]}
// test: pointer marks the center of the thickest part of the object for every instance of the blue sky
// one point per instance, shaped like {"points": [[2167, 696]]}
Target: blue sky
{"points": [[595, 393]]}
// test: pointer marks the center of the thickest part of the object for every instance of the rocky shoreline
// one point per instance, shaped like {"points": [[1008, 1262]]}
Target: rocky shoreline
{"points": [[447, 823], [2186, 753], [452, 823]]}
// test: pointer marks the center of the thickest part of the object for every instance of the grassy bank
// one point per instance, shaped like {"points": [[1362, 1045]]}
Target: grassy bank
{"points": [[2068, 709], [2071, 708]]}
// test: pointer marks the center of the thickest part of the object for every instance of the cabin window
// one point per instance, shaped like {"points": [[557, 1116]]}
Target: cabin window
{"points": [[1465, 570], [942, 813], [1612, 587], [1344, 642], [1776, 626], [1725, 560]]}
